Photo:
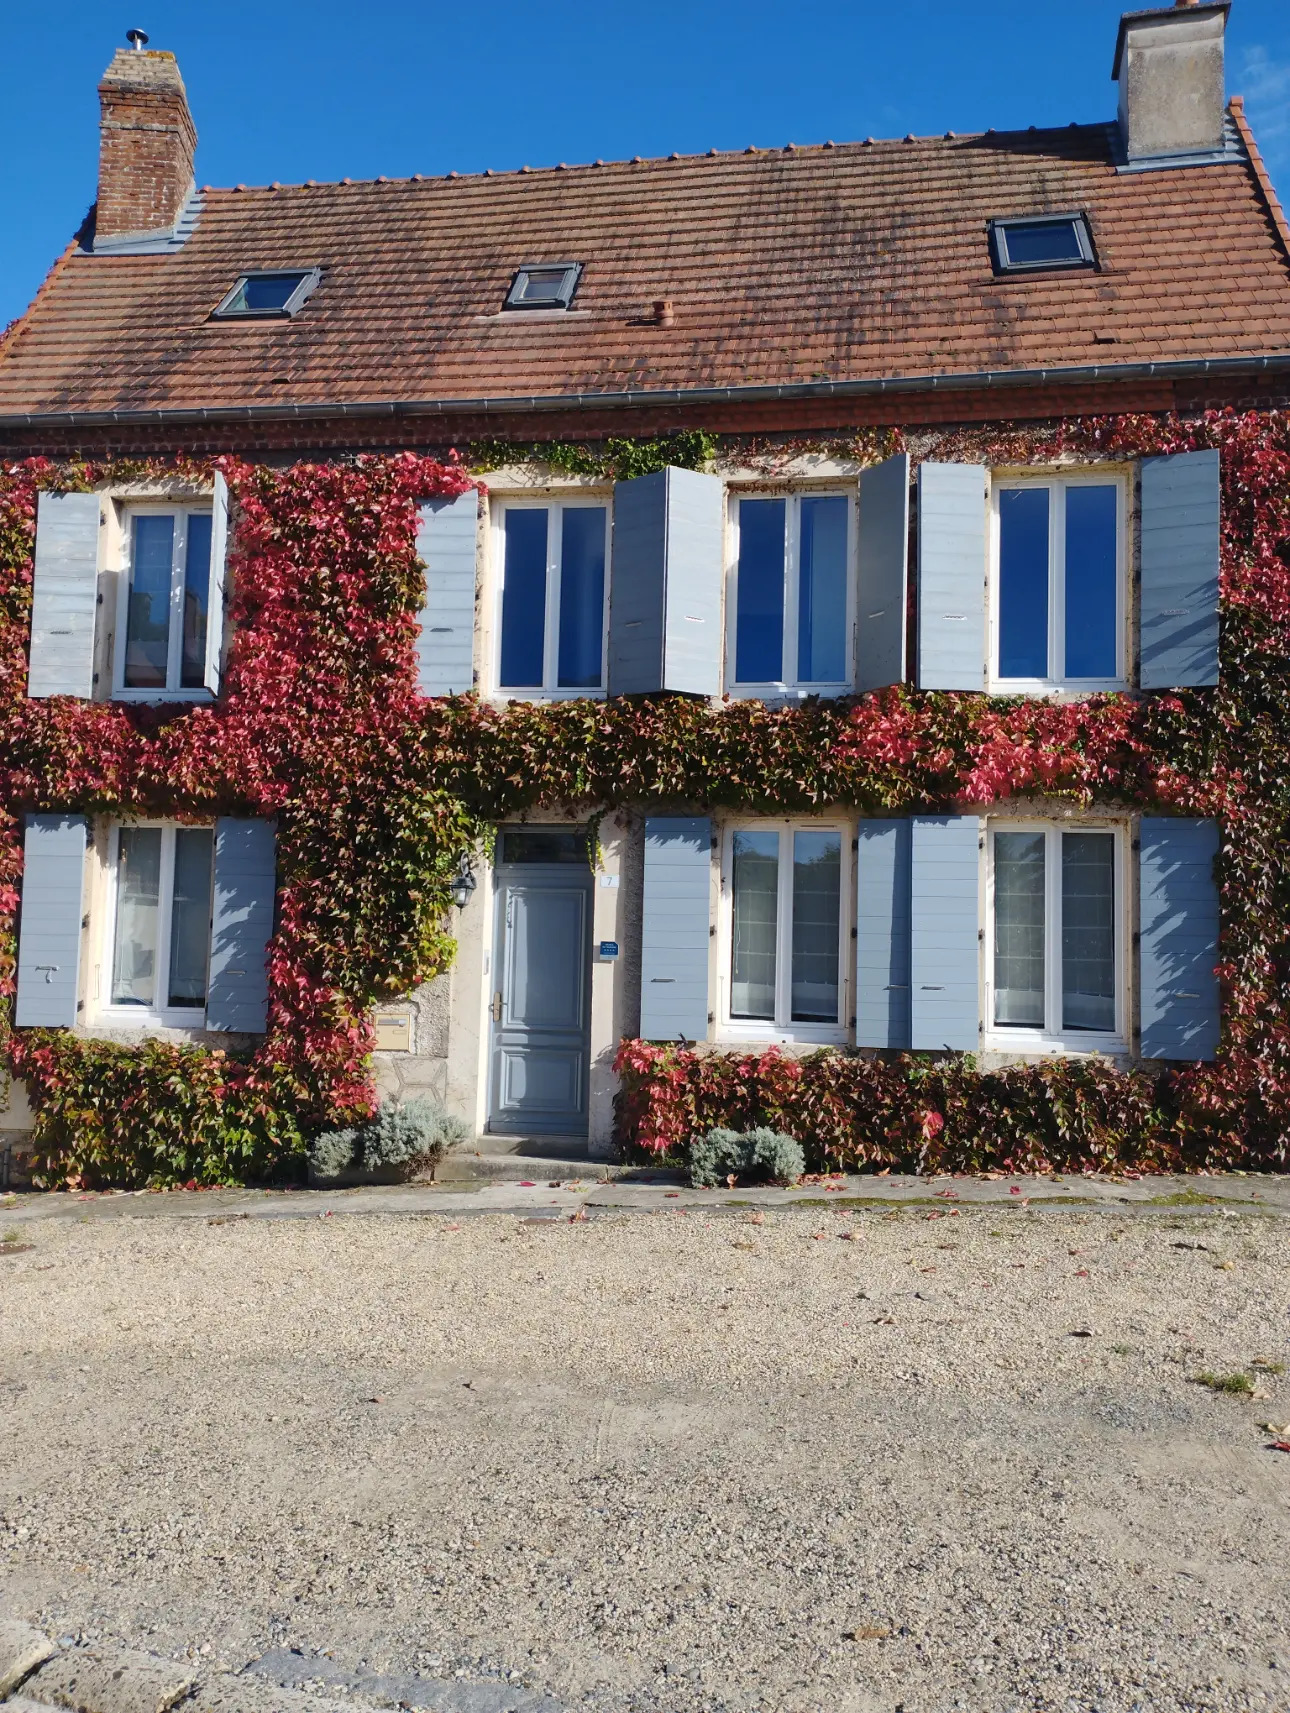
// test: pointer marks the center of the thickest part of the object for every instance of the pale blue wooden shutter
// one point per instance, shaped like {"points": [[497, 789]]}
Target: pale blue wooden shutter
{"points": [[665, 584], [945, 919], [49, 934], [237, 996], [447, 542], [215, 595], [883, 934], [951, 576], [1178, 923], [674, 927], [882, 574], [1179, 601], [64, 595]]}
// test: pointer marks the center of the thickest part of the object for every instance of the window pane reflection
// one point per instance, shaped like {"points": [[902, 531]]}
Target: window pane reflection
{"points": [[822, 591], [1088, 931], [147, 625], [817, 896], [524, 600], [197, 582], [1023, 582], [138, 889], [582, 597], [190, 916], [755, 912], [759, 619], [1091, 572], [1019, 930]]}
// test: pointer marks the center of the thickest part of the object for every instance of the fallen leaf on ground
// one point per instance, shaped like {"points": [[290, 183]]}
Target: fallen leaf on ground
{"points": [[528, 1184], [15, 1248], [1224, 1266], [1280, 1445], [1081, 1272]]}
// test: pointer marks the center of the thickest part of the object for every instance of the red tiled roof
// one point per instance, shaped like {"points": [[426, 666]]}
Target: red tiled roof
{"points": [[861, 262]]}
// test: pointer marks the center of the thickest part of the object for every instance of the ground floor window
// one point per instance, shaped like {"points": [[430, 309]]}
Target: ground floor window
{"points": [[160, 908], [1056, 934], [784, 887]]}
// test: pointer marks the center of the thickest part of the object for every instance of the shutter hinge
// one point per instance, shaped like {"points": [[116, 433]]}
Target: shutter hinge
{"points": [[855, 933], [80, 1005], [980, 934], [1137, 844], [712, 1017], [855, 844], [712, 931], [85, 921], [1137, 938], [98, 599], [853, 1022]]}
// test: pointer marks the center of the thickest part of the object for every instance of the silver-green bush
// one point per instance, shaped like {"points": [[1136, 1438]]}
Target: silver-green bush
{"points": [[405, 1139], [752, 1156]]}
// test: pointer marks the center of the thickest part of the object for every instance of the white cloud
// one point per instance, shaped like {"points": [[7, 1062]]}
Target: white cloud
{"points": [[1265, 83]]}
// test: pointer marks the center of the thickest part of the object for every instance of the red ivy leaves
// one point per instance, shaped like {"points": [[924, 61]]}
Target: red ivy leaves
{"points": [[376, 792]]}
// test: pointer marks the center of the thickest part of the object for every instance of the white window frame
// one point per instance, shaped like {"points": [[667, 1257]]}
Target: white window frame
{"points": [[555, 504], [1052, 1038], [170, 1016], [181, 511], [788, 686], [750, 1029], [1058, 483]]}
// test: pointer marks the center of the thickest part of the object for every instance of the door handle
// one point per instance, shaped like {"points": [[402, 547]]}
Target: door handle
{"points": [[496, 1008]]}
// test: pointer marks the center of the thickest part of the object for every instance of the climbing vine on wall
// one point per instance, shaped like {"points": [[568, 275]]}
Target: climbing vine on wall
{"points": [[377, 791]]}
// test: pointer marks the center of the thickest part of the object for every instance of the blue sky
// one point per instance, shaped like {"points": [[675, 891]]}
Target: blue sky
{"points": [[333, 90]]}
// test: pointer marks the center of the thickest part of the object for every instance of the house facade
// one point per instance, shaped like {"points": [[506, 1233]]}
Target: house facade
{"points": [[809, 444]]}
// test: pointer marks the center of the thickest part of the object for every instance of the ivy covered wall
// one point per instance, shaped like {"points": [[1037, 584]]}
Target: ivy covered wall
{"points": [[377, 792]]}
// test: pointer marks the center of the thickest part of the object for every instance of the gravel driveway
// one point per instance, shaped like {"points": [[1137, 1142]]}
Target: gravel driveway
{"points": [[821, 1459]]}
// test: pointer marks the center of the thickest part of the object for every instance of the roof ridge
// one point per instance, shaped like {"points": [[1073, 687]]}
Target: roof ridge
{"points": [[675, 158]]}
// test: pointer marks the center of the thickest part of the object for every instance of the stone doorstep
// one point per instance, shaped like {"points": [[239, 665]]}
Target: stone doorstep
{"points": [[22, 1650]]}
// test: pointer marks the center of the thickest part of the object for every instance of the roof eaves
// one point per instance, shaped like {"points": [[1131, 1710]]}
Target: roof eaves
{"points": [[512, 405]]}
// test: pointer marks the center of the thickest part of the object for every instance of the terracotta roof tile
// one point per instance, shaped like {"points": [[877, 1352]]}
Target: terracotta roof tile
{"points": [[855, 262]]}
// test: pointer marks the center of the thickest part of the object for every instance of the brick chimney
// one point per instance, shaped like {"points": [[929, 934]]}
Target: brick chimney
{"points": [[146, 144], [1169, 66]]}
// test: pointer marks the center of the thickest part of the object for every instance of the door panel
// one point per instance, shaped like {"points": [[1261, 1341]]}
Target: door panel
{"points": [[542, 960]]}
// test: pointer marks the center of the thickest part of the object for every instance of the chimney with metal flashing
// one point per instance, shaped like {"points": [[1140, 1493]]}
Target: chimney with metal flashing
{"points": [[146, 144], [1169, 66]]}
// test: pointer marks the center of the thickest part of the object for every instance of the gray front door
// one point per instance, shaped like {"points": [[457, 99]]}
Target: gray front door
{"points": [[541, 993]]}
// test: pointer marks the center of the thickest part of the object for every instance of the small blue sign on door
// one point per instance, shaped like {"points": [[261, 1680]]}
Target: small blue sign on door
{"points": [[608, 949]]}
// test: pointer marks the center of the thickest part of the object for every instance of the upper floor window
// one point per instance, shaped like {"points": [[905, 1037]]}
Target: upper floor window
{"points": [[1058, 607], [784, 887], [790, 597], [553, 597], [258, 295], [1056, 937], [164, 638], [158, 955], [544, 285], [1041, 241]]}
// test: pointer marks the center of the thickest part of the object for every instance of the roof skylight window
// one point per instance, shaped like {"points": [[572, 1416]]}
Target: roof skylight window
{"points": [[269, 293], [544, 285], [1041, 241]]}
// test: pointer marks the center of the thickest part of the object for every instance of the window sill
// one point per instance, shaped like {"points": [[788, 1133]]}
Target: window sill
{"points": [[1072, 1046], [1071, 688], [593, 693], [137, 1017], [156, 697], [791, 1035], [786, 692]]}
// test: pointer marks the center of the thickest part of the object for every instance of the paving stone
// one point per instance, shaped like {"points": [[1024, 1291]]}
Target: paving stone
{"points": [[103, 1680], [22, 1649]]}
